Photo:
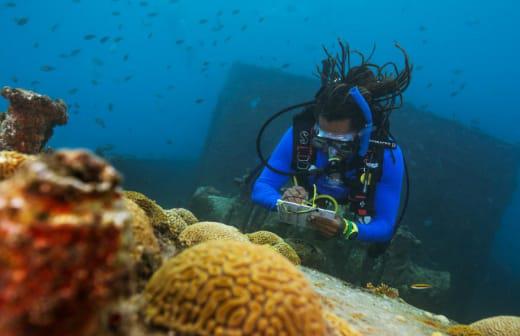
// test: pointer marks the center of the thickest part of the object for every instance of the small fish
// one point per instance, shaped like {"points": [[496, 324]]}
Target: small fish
{"points": [[422, 28], [74, 52], [150, 35], [454, 93], [10, 4], [220, 12], [35, 82], [227, 39], [104, 39], [14, 79], [261, 19], [143, 3], [54, 27], [462, 86], [306, 19], [100, 122], [179, 42], [110, 107], [243, 28], [457, 72], [285, 66], [94, 82], [47, 68], [97, 61], [21, 21], [199, 101], [125, 58], [127, 78], [73, 91], [89, 37], [118, 39], [36, 45], [115, 13], [153, 14], [169, 142], [420, 286], [235, 11], [171, 87], [429, 85], [203, 21], [418, 68]]}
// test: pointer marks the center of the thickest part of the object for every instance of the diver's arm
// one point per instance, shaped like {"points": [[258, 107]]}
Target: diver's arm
{"points": [[266, 190], [387, 197]]}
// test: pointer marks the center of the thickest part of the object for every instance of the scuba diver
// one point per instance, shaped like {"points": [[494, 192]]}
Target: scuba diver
{"points": [[339, 150]]}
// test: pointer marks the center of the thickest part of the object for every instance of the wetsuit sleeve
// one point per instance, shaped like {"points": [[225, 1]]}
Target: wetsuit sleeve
{"points": [[266, 190], [387, 200]]}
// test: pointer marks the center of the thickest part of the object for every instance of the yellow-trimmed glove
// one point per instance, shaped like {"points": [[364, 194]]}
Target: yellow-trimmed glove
{"points": [[349, 229]]}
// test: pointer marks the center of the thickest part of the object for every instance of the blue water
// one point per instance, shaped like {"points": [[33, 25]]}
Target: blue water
{"points": [[155, 98]]}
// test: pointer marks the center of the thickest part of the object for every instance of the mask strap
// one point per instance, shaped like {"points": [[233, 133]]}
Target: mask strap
{"points": [[367, 114]]}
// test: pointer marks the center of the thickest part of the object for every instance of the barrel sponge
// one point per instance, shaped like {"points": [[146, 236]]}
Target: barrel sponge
{"points": [[204, 231], [338, 326], [498, 326], [186, 215], [10, 161], [264, 237], [463, 330], [287, 251], [232, 288]]}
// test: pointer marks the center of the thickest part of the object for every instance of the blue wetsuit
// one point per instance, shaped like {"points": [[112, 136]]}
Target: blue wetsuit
{"points": [[266, 190]]}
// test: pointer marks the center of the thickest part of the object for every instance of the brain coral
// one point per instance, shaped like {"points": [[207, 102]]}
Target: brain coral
{"points": [[187, 215], [287, 251], [10, 161], [498, 326], [264, 237], [232, 288], [204, 231], [150, 207]]}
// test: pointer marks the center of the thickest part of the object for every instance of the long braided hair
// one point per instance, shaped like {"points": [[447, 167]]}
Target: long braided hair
{"points": [[382, 86]]}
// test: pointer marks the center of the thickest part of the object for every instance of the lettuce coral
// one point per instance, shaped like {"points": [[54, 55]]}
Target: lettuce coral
{"points": [[232, 288], [498, 326], [205, 231]]}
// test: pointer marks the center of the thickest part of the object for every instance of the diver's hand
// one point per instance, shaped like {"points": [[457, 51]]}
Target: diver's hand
{"points": [[295, 194], [327, 227]]}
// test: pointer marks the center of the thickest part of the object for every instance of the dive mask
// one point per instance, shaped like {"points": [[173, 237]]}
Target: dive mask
{"points": [[343, 144]]}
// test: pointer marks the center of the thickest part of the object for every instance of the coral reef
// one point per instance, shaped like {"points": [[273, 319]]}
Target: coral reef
{"points": [[29, 121], [10, 161], [383, 289], [232, 288], [186, 215], [145, 249], [205, 231], [176, 222], [338, 326], [63, 245], [264, 237], [498, 326], [287, 251], [462, 330]]}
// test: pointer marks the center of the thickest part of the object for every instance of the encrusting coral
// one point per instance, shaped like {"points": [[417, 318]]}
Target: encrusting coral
{"points": [[264, 237], [498, 326], [29, 121], [145, 249], [462, 330], [383, 289], [232, 288], [10, 161], [205, 231], [177, 224], [63, 245]]}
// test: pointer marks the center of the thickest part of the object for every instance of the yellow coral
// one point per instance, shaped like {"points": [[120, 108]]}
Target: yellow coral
{"points": [[176, 222], [186, 215], [462, 330], [10, 161], [339, 326], [145, 248], [287, 251], [383, 289], [204, 231], [232, 288], [498, 326], [150, 207], [264, 237]]}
